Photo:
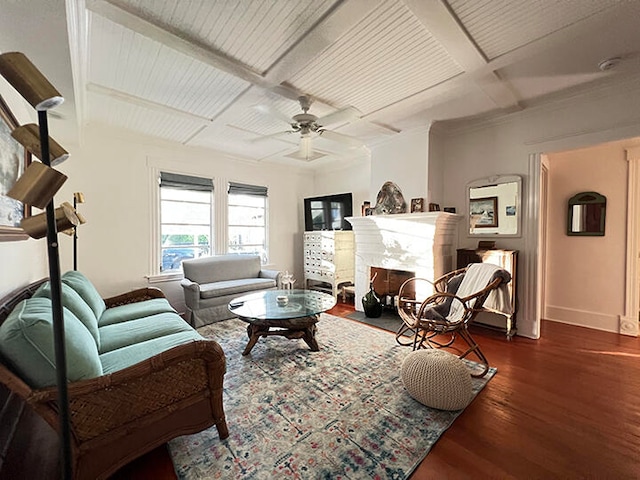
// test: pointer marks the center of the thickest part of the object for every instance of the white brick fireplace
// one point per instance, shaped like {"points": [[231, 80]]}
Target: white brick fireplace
{"points": [[416, 242]]}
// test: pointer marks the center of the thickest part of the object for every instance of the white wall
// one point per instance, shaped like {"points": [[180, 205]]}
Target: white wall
{"points": [[403, 160], [354, 178], [600, 114], [114, 171]]}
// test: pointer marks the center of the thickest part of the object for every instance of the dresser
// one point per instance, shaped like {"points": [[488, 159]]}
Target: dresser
{"points": [[507, 259], [329, 259]]}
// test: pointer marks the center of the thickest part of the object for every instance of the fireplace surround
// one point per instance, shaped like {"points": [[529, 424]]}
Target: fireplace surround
{"points": [[417, 242]]}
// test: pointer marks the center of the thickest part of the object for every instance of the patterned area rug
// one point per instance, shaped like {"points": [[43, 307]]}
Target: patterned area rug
{"points": [[340, 413]]}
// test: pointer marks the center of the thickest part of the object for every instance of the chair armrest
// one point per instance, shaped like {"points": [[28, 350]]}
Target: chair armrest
{"points": [[139, 295], [273, 274], [112, 405]]}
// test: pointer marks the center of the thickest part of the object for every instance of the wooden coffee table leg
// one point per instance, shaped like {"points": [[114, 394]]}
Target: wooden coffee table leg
{"points": [[310, 338], [254, 333]]}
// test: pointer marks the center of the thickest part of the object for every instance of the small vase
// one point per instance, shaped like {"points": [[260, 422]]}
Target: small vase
{"points": [[371, 303]]}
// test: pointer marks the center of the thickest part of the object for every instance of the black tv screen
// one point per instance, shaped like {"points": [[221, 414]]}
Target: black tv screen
{"points": [[328, 212]]}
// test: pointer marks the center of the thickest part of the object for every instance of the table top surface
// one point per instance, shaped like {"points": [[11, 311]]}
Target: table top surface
{"points": [[264, 305]]}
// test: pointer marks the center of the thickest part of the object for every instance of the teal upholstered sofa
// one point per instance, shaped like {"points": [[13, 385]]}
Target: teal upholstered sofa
{"points": [[210, 283], [138, 374]]}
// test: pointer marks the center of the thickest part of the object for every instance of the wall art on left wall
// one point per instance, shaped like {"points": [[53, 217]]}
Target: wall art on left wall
{"points": [[13, 161]]}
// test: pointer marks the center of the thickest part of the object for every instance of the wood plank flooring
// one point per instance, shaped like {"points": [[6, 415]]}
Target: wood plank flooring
{"points": [[566, 406]]}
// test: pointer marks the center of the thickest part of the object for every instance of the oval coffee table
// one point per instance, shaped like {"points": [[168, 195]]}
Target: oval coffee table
{"points": [[267, 316]]}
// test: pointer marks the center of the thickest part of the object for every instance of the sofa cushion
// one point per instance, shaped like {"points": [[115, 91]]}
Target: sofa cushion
{"points": [[132, 311], [123, 334], [127, 356], [86, 290], [26, 341], [230, 287], [221, 267], [76, 304]]}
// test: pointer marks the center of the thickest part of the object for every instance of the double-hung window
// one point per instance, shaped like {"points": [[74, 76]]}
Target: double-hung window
{"points": [[185, 219], [247, 219]]}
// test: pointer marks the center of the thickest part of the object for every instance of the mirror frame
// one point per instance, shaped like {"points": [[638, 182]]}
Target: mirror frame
{"points": [[587, 198], [488, 182]]}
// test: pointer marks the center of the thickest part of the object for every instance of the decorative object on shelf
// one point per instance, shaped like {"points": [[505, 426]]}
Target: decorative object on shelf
{"points": [[450, 209], [287, 281], [370, 302], [434, 207], [369, 211], [486, 244], [586, 214], [417, 205], [365, 206], [390, 200], [18, 70], [483, 212], [14, 159]]}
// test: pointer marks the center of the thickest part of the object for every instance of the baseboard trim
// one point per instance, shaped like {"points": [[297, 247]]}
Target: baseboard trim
{"points": [[583, 318]]}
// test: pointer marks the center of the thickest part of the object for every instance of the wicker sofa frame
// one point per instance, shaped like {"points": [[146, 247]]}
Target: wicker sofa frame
{"points": [[117, 417]]}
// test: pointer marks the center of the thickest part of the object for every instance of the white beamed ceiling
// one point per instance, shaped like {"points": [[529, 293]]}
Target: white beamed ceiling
{"points": [[192, 71]]}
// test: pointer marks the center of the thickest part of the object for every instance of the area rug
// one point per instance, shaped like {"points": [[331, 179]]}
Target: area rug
{"points": [[340, 413], [389, 320]]}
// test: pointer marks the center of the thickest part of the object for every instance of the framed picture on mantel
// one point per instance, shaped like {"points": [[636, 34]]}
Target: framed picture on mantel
{"points": [[417, 205]]}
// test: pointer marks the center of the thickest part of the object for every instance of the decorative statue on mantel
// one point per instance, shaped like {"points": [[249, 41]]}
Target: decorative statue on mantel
{"points": [[390, 200]]}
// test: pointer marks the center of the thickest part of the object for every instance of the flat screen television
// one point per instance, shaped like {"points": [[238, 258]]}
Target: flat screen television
{"points": [[328, 212]]}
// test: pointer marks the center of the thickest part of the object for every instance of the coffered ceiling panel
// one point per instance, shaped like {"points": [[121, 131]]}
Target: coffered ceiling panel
{"points": [[386, 57], [133, 64], [138, 119], [500, 26], [256, 33]]}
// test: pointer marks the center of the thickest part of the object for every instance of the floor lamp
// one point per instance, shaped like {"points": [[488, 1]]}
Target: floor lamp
{"points": [[37, 187]]}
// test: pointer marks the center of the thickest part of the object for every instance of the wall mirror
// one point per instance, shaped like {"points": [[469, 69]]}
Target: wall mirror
{"points": [[493, 206], [586, 214]]}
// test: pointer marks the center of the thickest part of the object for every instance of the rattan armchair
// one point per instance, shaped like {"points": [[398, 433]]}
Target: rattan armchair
{"points": [[435, 313], [117, 417]]}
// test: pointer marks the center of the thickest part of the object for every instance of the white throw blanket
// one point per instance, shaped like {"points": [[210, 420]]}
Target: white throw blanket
{"points": [[477, 277]]}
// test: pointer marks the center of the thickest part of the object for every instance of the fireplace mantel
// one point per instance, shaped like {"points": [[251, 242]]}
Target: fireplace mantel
{"points": [[417, 242]]}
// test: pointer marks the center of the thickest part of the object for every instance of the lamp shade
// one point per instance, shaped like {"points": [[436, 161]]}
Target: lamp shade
{"points": [[23, 75], [37, 185], [36, 226], [29, 136]]}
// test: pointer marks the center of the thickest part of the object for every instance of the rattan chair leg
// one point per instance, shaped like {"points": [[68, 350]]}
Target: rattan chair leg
{"points": [[475, 349], [402, 339]]}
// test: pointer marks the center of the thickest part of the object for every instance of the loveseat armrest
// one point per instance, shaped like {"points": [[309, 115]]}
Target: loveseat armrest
{"points": [[139, 295], [106, 409], [273, 274], [191, 293]]}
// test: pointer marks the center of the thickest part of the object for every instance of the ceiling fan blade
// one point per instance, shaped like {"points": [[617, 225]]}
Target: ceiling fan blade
{"points": [[348, 114], [271, 136], [273, 112], [340, 138]]}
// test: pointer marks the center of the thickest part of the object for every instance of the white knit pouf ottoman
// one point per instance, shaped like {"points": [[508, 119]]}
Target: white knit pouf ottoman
{"points": [[437, 379]]}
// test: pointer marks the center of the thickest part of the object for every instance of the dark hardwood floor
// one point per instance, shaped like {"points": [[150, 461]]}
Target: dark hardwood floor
{"points": [[565, 406]]}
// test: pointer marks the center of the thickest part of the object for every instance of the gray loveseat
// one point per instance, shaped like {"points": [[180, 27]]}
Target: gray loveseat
{"points": [[210, 283]]}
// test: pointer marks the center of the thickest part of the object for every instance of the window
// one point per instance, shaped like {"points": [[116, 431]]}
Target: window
{"points": [[185, 219], [247, 219]]}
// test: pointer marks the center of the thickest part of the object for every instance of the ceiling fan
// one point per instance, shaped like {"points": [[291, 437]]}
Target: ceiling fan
{"points": [[310, 126]]}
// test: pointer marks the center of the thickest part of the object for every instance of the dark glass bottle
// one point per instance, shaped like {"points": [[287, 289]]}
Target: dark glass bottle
{"points": [[371, 303]]}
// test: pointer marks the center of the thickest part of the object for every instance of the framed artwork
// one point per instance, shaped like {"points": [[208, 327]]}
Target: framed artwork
{"points": [[13, 161], [483, 212], [417, 205], [364, 207], [434, 207]]}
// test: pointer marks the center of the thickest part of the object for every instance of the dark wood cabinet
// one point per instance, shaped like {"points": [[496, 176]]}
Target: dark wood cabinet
{"points": [[507, 259]]}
